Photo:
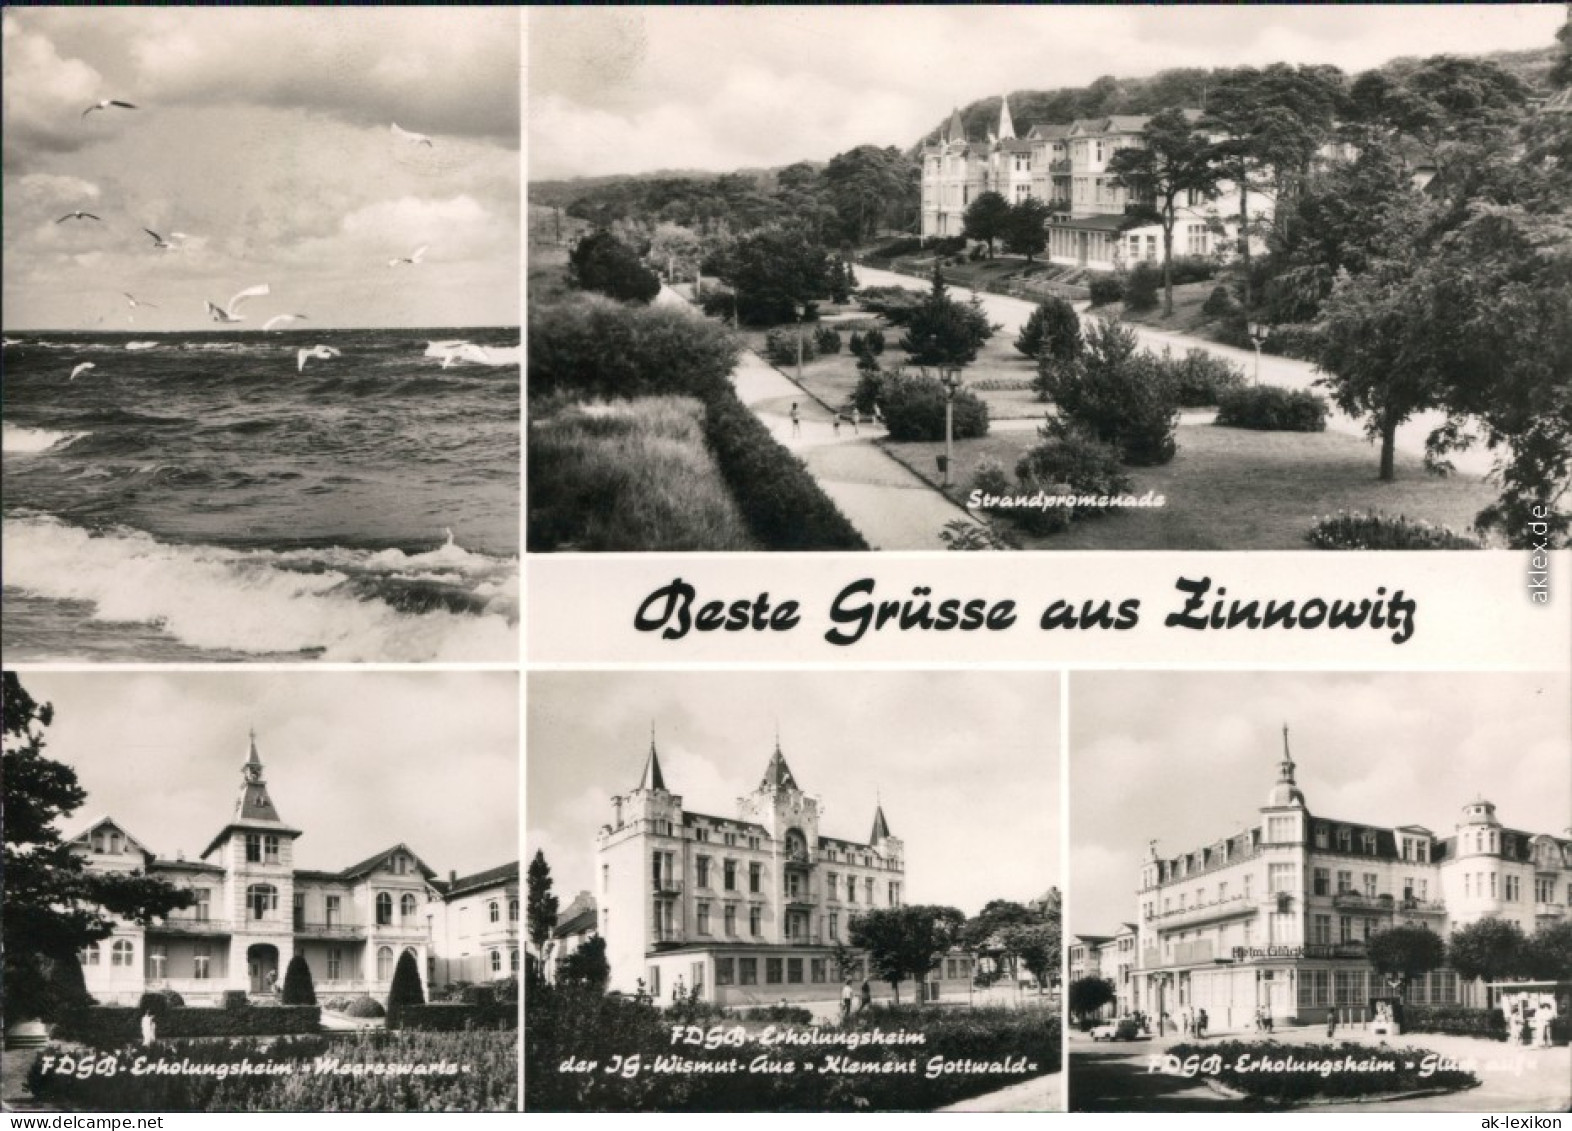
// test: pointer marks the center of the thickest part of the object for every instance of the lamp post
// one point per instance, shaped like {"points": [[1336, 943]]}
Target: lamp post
{"points": [[799, 309], [951, 379], [1258, 336]]}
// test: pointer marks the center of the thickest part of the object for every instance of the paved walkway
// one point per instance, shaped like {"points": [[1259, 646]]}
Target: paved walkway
{"points": [[1284, 372], [1040, 1093], [888, 504]]}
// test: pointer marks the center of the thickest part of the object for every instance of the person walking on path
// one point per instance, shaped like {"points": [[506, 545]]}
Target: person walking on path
{"points": [[867, 995], [846, 1002], [796, 420], [1331, 1023]]}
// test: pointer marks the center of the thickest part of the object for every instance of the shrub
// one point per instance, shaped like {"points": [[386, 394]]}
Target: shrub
{"points": [[977, 252], [870, 387], [1202, 378], [896, 303], [601, 262], [1298, 1085], [1067, 462], [719, 302], [781, 502], [159, 1002], [595, 348], [1375, 531], [897, 248], [990, 478], [1220, 303], [1105, 287], [1267, 408], [114, 1026], [854, 343], [944, 245], [788, 1013], [914, 409], [1143, 286], [298, 988], [452, 1017], [365, 1006], [1116, 395], [477, 995], [873, 341], [406, 989], [1054, 326], [1190, 269], [1457, 1020], [780, 346], [235, 999], [827, 340]]}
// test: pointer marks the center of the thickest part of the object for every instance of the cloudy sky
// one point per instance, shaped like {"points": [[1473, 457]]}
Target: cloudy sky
{"points": [[265, 136], [1188, 758], [630, 89], [357, 760], [965, 764]]}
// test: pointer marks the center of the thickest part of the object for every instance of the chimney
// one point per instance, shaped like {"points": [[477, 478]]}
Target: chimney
{"points": [[452, 878]]}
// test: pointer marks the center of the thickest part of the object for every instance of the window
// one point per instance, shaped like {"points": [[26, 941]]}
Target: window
{"points": [[1468, 884], [731, 875], [833, 886], [1345, 840], [755, 876], [1321, 930], [114, 843], [1492, 885], [1320, 836], [90, 954], [747, 971], [1512, 891], [1345, 929], [384, 909], [201, 961], [270, 849], [702, 865], [703, 911], [406, 907], [261, 901], [725, 971], [1280, 878], [1544, 890], [794, 971], [895, 894], [204, 904], [772, 971], [1345, 883], [384, 963], [1371, 880], [834, 925], [335, 963], [755, 920], [157, 961], [494, 912], [1368, 840], [253, 848], [731, 920], [851, 889], [867, 890], [1279, 830], [513, 961], [300, 909], [121, 953], [496, 961], [513, 911], [1322, 881], [333, 906], [816, 970], [701, 835]]}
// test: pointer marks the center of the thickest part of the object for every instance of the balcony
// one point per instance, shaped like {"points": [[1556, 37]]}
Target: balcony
{"points": [[1060, 166], [666, 886], [665, 935], [403, 931], [1420, 907], [803, 897], [798, 858], [206, 928], [307, 930], [1550, 911], [1357, 901], [804, 938], [1234, 907]]}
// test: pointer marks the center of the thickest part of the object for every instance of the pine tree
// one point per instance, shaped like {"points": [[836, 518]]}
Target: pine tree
{"points": [[541, 905]]}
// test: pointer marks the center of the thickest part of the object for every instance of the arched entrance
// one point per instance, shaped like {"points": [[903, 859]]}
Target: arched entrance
{"points": [[262, 967]]}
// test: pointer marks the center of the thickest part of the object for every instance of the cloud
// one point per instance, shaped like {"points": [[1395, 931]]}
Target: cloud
{"points": [[44, 95]]}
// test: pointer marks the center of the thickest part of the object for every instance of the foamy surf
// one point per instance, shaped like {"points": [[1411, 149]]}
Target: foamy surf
{"points": [[25, 441], [336, 604]]}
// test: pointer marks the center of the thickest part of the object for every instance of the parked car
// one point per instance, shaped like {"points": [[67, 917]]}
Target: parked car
{"points": [[1120, 1029]]}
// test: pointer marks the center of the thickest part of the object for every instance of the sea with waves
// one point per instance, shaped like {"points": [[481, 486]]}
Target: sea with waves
{"points": [[201, 497]]}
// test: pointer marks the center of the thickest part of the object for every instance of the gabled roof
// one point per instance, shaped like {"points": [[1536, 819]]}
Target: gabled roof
{"points": [[1049, 132], [492, 877], [83, 830], [584, 921], [371, 863], [245, 825]]}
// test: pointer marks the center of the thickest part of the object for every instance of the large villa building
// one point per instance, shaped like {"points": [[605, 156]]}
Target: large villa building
{"points": [[1066, 167], [748, 909], [1277, 916], [254, 910]]}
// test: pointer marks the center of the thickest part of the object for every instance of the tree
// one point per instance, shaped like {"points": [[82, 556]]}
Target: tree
{"points": [[1026, 230], [943, 333], [1036, 946], [601, 262], [1115, 395], [540, 903], [777, 273], [1055, 327], [870, 184], [54, 906], [586, 966], [1405, 952], [406, 989], [1488, 949], [1088, 995], [298, 987], [996, 915], [1175, 161], [1547, 954], [987, 218], [677, 250], [906, 942]]}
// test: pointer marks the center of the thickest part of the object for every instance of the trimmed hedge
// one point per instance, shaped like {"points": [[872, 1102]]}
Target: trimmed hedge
{"points": [[1301, 1081], [1457, 1020], [1376, 531], [453, 1017], [780, 500], [1105, 288], [779, 1013], [114, 1026], [365, 1007], [1270, 409]]}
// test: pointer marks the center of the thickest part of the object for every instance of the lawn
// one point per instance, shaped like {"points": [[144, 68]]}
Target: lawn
{"points": [[1232, 489]]}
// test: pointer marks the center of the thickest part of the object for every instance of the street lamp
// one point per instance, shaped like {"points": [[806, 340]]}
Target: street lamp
{"points": [[799, 310], [951, 379], [1259, 331]]}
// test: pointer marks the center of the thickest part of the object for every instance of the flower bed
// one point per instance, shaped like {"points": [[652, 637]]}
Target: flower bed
{"points": [[1294, 1074], [1375, 531]]}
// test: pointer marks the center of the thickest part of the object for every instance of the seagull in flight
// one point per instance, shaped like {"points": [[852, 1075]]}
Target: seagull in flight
{"points": [[159, 242], [227, 313], [106, 103], [135, 302], [83, 368], [78, 215], [411, 138], [321, 353], [420, 254], [277, 318]]}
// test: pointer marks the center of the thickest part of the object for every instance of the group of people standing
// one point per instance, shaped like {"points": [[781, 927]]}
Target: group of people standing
{"points": [[855, 1000], [1529, 1019], [852, 416]]}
